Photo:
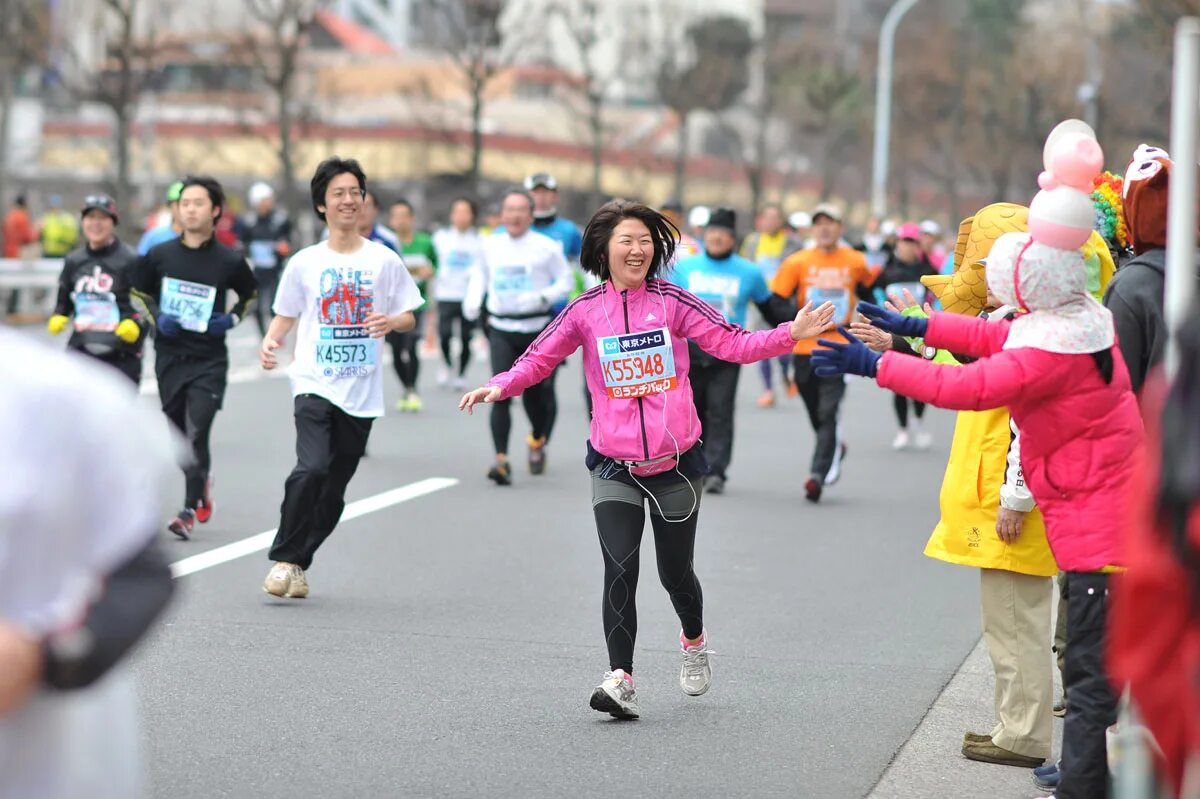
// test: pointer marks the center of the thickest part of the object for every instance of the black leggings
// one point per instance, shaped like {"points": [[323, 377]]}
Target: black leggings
{"points": [[620, 511], [448, 313], [538, 400], [191, 391], [901, 404], [404, 354]]}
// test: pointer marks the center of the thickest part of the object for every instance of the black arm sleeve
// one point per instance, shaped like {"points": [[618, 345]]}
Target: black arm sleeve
{"points": [[1129, 337], [900, 345], [776, 309], [64, 306], [146, 283], [132, 598], [246, 287]]}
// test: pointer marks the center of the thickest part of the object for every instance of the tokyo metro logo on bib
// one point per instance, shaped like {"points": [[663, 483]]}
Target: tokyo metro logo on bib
{"points": [[637, 364]]}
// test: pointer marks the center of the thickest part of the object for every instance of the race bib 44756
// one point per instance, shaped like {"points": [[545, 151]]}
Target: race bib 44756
{"points": [[637, 364], [191, 302]]}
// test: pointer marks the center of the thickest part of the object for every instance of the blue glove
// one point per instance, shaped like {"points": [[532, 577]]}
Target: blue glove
{"points": [[907, 326], [836, 358], [168, 325], [221, 323]]}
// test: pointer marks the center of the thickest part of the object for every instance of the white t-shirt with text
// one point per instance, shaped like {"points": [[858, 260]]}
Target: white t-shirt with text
{"points": [[332, 294]]}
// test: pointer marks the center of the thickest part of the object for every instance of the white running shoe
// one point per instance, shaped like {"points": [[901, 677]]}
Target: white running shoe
{"points": [[443, 379], [923, 440], [901, 441], [460, 383], [286, 580], [695, 676], [615, 696]]}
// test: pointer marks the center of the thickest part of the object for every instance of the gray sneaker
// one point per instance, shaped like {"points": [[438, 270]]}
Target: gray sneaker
{"points": [[695, 676], [615, 696]]}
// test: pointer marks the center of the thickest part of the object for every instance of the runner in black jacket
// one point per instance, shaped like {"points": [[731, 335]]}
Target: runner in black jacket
{"points": [[94, 292], [187, 281]]}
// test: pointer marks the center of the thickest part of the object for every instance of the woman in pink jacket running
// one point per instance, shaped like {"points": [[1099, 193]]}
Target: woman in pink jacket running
{"points": [[1058, 369], [634, 329]]}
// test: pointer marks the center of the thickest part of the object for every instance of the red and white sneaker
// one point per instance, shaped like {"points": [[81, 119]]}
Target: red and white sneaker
{"points": [[183, 523], [204, 510]]}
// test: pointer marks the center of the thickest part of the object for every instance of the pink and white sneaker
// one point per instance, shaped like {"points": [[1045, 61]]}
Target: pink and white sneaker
{"points": [[695, 676], [615, 695]]}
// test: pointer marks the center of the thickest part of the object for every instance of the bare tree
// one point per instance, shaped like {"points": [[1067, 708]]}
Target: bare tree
{"points": [[471, 37], [122, 78], [583, 30], [25, 33], [278, 59], [712, 79]]}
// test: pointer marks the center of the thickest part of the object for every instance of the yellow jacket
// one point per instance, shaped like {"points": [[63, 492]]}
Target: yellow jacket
{"points": [[970, 499]]}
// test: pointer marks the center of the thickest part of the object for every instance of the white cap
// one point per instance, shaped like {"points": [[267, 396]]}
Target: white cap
{"points": [[698, 216], [888, 227], [799, 220], [931, 227], [258, 192]]}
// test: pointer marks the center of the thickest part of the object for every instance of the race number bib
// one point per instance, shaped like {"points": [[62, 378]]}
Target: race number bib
{"points": [[719, 291], [459, 261], [637, 364], [839, 297], [915, 289], [192, 303], [345, 351], [769, 264], [262, 254], [510, 281], [96, 311], [415, 262]]}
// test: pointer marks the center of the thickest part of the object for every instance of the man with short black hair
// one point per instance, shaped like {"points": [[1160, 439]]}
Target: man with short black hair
{"points": [[186, 281], [342, 296]]}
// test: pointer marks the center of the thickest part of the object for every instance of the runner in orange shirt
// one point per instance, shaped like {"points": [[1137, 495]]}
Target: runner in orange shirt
{"points": [[831, 271]]}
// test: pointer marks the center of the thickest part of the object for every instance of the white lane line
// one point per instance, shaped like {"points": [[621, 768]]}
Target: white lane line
{"points": [[257, 543]]}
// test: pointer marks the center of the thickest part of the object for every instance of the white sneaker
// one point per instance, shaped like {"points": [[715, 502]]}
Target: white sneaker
{"points": [[443, 379], [286, 580], [615, 696], [901, 441], [460, 383], [695, 676], [924, 440]]}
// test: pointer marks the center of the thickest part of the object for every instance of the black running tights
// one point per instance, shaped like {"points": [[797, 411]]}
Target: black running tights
{"points": [[620, 527]]}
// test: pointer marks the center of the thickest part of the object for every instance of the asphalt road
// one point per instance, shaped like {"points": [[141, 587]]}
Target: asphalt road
{"points": [[451, 641]]}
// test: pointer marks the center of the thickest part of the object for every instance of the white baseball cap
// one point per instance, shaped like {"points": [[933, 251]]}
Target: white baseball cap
{"points": [[931, 227], [258, 192], [799, 219], [698, 216]]}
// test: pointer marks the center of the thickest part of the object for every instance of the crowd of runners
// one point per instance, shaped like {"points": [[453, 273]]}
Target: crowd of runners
{"points": [[1007, 329]]}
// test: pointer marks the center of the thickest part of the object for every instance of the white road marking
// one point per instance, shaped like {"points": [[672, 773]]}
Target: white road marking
{"points": [[261, 541]]}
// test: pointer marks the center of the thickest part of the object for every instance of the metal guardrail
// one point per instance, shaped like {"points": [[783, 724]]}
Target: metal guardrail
{"points": [[33, 279]]}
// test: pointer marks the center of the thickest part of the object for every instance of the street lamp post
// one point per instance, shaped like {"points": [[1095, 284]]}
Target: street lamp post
{"points": [[883, 104], [1181, 204]]}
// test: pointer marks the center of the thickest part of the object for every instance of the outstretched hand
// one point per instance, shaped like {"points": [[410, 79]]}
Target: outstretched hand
{"points": [[907, 326], [853, 357], [473, 398], [905, 301], [809, 323], [878, 340]]}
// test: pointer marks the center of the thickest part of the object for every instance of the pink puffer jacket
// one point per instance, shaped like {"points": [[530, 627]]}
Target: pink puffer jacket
{"points": [[635, 359], [1081, 439]]}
